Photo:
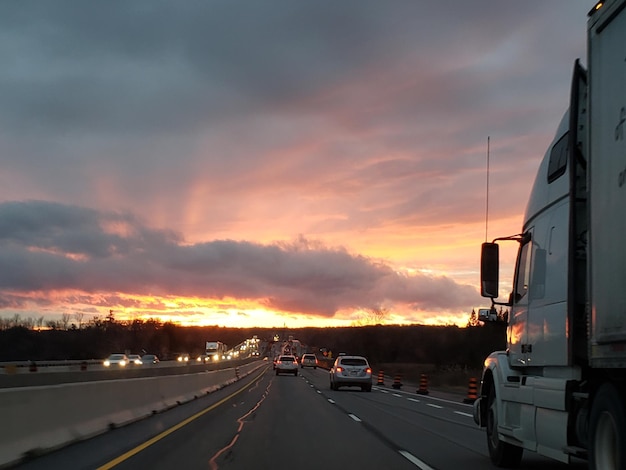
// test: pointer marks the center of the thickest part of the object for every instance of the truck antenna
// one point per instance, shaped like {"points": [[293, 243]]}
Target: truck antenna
{"points": [[487, 198]]}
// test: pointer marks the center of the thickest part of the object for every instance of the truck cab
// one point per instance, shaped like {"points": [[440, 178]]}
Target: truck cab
{"points": [[559, 388]]}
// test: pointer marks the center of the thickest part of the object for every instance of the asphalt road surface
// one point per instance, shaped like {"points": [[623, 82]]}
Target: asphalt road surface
{"points": [[267, 421]]}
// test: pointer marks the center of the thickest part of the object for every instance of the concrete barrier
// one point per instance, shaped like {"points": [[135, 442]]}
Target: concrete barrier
{"points": [[36, 419]]}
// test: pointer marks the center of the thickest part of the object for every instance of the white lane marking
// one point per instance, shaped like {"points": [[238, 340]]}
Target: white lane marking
{"points": [[415, 461], [464, 414], [434, 406], [381, 390], [356, 418], [413, 399], [396, 395], [319, 391], [427, 397], [330, 400]]}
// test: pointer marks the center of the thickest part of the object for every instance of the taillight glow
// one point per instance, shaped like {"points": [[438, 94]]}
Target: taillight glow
{"points": [[368, 371], [339, 369]]}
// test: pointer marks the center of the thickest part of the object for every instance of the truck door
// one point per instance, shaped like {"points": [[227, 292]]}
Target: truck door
{"points": [[517, 330]]}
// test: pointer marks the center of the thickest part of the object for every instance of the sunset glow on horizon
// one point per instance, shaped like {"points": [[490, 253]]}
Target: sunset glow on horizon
{"points": [[208, 167]]}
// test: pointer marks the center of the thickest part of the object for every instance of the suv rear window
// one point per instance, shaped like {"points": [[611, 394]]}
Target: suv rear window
{"points": [[309, 356], [286, 359], [354, 362]]}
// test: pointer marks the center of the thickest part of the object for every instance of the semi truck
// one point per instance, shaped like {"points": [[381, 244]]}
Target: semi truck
{"points": [[216, 350], [559, 388]]}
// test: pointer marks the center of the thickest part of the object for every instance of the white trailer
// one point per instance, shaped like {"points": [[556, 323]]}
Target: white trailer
{"points": [[559, 389]]}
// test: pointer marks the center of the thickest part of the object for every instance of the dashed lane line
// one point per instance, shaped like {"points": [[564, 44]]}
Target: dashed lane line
{"points": [[415, 461]]}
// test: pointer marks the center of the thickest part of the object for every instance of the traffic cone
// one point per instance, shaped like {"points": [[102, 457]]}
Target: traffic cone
{"points": [[472, 391], [397, 381], [381, 378], [423, 389]]}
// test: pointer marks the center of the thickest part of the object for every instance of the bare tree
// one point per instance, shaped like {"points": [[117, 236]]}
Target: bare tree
{"points": [[373, 316], [65, 320], [473, 319], [79, 318]]}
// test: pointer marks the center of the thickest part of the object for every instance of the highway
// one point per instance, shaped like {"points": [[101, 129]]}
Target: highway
{"points": [[267, 421]]}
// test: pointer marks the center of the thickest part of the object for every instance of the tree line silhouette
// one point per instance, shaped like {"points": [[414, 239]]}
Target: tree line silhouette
{"points": [[96, 339]]}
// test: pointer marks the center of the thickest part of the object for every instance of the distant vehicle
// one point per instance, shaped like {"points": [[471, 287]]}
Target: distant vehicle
{"points": [[292, 347], [149, 359], [487, 314], [120, 360], [286, 364], [216, 350], [203, 358], [183, 357], [134, 359], [351, 371], [308, 360]]}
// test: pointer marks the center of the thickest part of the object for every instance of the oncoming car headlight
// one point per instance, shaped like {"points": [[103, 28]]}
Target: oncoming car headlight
{"points": [[106, 363]]}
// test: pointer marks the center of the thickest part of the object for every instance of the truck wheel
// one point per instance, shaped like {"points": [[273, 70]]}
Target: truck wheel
{"points": [[607, 430], [502, 454]]}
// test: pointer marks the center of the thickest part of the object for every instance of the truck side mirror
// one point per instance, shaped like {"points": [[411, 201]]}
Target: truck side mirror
{"points": [[489, 270]]}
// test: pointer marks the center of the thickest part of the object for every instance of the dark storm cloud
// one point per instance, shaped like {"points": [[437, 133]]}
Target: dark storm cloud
{"points": [[147, 66], [50, 247]]}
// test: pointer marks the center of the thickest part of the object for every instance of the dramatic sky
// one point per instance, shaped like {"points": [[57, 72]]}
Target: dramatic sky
{"points": [[270, 163]]}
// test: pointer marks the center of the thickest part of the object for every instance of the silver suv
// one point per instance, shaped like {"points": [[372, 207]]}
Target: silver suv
{"points": [[351, 371], [286, 364], [308, 360]]}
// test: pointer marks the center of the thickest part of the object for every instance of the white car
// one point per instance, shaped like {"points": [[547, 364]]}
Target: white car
{"points": [[134, 359], [120, 360], [286, 364]]}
